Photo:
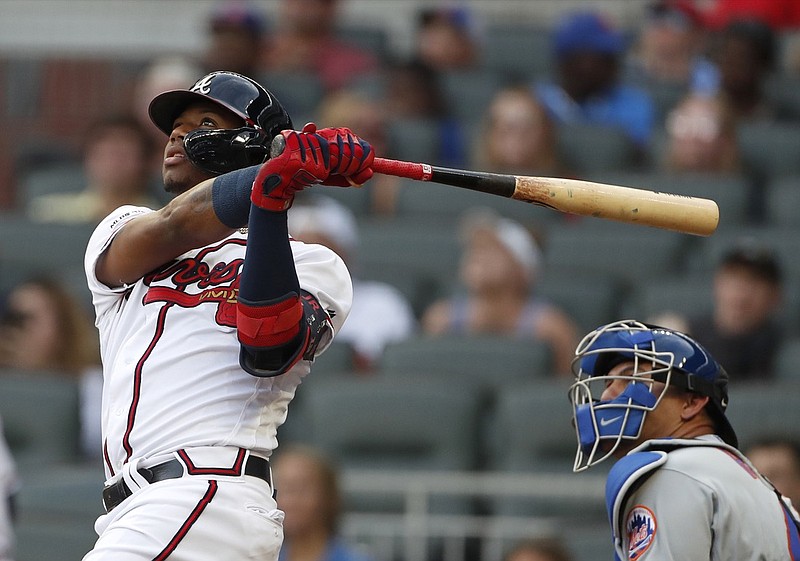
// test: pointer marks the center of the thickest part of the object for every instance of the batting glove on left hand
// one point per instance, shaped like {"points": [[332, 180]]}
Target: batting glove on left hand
{"points": [[351, 157], [297, 160]]}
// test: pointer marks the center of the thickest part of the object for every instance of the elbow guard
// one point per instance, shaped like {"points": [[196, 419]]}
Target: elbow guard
{"points": [[279, 333], [269, 324]]}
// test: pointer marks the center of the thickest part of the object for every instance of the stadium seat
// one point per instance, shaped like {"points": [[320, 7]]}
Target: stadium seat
{"points": [[590, 302], [785, 241], [300, 93], [37, 246], [418, 257], [783, 200], [687, 295], [40, 412], [787, 363], [337, 360], [57, 508], [763, 409], [415, 140], [586, 148], [371, 38], [530, 430], [519, 51], [378, 424], [630, 254], [469, 93], [770, 149], [485, 361]]}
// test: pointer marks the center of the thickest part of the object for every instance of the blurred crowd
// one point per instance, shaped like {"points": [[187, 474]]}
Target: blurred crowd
{"points": [[698, 93]]}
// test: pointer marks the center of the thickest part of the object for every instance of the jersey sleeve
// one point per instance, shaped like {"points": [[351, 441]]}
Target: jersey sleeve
{"points": [[324, 276], [102, 295], [662, 512]]}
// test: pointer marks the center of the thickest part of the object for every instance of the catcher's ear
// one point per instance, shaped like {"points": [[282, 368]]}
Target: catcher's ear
{"points": [[693, 404]]}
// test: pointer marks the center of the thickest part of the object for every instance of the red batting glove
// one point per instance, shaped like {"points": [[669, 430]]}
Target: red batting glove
{"points": [[351, 157], [297, 160]]}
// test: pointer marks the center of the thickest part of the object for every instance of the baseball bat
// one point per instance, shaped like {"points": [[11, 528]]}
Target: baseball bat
{"points": [[680, 213]]}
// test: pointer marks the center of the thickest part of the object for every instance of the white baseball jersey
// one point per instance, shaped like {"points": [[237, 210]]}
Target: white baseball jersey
{"points": [[169, 348], [701, 500], [9, 485]]}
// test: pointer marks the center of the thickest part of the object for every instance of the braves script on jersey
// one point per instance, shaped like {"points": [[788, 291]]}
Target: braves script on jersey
{"points": [[170, 351]]}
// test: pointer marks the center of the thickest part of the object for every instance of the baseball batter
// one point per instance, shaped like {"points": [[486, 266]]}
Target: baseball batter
{"points": [[656, 399], [209, 318]]}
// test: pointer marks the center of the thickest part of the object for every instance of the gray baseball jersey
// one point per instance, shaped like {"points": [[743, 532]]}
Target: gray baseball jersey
{"points": [[697, 499]]}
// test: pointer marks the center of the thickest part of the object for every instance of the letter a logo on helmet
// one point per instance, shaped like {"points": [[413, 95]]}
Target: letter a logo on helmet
{"points": [[222, 150], [203, 86], [246, 98]]}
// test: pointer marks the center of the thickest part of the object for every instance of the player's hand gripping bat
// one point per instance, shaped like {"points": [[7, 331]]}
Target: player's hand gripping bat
{"points": [[689, 215]]}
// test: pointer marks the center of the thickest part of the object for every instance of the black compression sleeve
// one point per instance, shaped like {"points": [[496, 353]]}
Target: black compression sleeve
{"points": [[268, 270]]}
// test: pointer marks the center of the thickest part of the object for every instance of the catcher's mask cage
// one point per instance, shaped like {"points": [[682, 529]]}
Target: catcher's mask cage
{"points": [[657, 355], [219, 151]]}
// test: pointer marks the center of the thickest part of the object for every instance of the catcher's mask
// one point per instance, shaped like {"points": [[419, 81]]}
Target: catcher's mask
{"points": [[658, 355], [223, 150]]}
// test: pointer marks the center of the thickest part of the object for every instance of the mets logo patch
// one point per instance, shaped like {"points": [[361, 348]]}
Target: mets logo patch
{"points": [[641, 528]]}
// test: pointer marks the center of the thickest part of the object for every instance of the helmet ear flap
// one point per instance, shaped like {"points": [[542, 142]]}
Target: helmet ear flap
{"points": [[219, 151], [273, 119]]}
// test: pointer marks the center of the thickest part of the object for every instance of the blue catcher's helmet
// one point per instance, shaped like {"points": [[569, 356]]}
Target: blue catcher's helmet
{"points": [[222, 150], [673, 358]]}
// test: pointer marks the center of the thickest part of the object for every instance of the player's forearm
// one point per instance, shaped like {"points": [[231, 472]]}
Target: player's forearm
{"points": [[147, 242]]}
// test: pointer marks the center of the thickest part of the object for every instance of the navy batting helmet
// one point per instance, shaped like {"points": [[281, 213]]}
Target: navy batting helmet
{"points": [[673, 358], [222, 150]]}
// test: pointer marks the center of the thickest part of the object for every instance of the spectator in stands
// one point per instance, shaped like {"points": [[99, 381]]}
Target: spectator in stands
{"points": [[161, 74], [447, 38], [44, 328], [304, 39], [587, 86], [743, 330], [381, 314], [413, 91], [670, 50], [365, 116], [778, 459], [117, 159], [778, 14], [746, 53], [540, 549], [236, 31], [500, 264], [518, 136], [309, 494], [9, 486], [701, 137]]}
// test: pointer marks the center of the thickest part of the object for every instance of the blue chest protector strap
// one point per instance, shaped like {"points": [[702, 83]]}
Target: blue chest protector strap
{"points": [[625, 475]]}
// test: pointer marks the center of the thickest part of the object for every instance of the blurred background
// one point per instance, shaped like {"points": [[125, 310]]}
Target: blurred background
{"points": [[442, 408]]}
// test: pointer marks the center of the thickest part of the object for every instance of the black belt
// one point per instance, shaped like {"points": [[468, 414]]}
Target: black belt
{"points": [[114, 494]]}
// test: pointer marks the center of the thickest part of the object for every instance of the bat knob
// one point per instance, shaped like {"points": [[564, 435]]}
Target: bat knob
{"points": [[278, 146]]}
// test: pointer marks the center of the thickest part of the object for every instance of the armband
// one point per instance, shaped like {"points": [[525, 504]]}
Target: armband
{"points": [[230, 196]]}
